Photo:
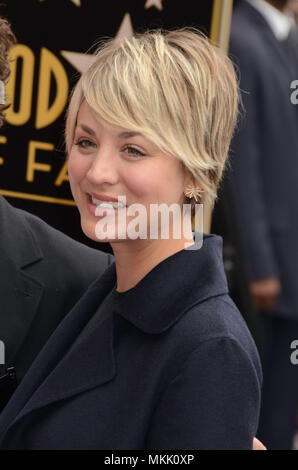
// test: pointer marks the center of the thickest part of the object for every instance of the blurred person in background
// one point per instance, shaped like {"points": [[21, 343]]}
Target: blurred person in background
{"points": [[292, 40], [263, 177], [43, 272]]}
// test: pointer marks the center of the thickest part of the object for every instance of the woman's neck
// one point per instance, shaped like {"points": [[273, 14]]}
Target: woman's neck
{"points": [[135, 258]]}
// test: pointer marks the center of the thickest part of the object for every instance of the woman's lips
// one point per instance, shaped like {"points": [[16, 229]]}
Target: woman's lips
{"points": [[100, 211], [103, 197]]}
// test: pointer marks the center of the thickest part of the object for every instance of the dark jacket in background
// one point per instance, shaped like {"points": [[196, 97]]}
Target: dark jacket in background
{"points": [[264, 155], [172, 367], [43, 274]]}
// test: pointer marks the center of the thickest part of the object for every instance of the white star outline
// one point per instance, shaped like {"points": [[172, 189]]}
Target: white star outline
{"points": [[81, 62]]}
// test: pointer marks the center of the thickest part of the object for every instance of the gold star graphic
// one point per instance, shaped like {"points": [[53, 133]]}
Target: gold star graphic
{"points": [[153, 3], [81, 62]]}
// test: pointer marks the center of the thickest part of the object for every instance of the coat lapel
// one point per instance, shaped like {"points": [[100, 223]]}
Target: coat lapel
{"points": [[279, 50], [60, 372], [89, 365], [268, 35], [20, 292], [22, 298]]}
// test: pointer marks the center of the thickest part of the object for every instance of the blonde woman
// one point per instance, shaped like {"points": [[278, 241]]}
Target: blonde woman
{"points": [[155, 355]]}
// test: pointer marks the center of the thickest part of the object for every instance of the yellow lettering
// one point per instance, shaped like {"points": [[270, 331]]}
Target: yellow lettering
{"points": [[22, 115], [32, 165], [50, 67], [3, 140], [63, 176]]}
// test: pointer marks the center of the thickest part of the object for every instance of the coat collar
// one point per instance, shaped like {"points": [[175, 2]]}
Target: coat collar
{"points": [[172, 287]]}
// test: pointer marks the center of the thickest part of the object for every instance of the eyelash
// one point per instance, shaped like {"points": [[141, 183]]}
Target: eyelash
{"points": [[80, 143]]}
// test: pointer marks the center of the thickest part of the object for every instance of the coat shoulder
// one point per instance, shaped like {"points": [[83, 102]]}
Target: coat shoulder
{"points": [[216, 318]]}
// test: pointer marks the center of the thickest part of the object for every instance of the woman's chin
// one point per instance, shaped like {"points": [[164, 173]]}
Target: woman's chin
{"points": [[92, 231]]}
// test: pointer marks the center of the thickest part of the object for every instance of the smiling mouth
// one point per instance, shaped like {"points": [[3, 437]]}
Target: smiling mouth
{"points": [[105, 204]]}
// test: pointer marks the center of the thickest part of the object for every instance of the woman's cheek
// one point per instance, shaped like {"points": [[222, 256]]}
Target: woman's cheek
{"points": [[140, 182], [72, 181], [77, 168]]}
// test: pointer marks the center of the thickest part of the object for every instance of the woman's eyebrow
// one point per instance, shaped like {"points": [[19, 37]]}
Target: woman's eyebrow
{"points": [[122, 135], [86, 129], [128, 134]]}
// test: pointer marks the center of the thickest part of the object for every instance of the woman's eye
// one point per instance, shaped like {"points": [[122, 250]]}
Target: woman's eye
{"points": [[84, 143], [134, 152]]}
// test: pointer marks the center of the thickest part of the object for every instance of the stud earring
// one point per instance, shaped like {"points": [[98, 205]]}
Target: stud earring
{"points": [[193, 192]]}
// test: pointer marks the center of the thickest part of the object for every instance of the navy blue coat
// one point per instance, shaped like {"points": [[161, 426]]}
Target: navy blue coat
{"points": [[173, 367], [264, 155]]}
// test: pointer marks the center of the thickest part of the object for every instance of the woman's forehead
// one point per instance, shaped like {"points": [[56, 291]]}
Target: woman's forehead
{"points": [[88, 120], [87, 115]]}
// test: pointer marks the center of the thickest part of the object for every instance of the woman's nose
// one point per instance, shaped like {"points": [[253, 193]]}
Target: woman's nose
{"points": [[103, 168]]}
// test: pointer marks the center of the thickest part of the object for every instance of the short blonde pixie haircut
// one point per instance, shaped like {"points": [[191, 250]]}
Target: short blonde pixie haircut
{"points": [[173, 87]]}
